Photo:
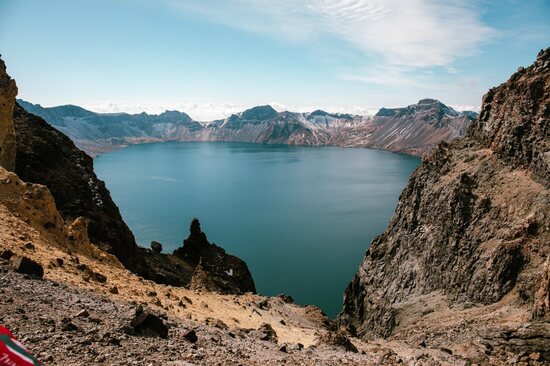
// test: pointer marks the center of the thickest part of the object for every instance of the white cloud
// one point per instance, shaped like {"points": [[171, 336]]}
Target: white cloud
{"points": [[462, 108], [357, 110], [414, 33], [206, 111], [200, 111]]}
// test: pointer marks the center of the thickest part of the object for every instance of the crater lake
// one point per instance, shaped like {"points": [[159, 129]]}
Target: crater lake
{"points": [[300, 217]]}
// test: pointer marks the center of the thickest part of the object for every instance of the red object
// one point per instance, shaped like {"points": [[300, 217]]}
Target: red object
{"points": [[13, 353]]}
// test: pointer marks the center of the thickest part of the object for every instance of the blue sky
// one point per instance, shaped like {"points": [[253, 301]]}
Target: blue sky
{"points": [[210, 58]]}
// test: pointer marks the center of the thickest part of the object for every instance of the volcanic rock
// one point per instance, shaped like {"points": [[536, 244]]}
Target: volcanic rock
{"points": [[28, 266], [472, 224], [147, 324], [8, 91], [215, 270], [156, 246]]}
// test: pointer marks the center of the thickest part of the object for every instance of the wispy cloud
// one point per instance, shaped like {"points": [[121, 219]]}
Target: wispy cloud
{"points": [[201, 111], [413, 33], [208, 111]]}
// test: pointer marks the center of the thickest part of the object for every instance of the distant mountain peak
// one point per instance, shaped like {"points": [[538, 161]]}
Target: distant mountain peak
{"points": [[259, 113], [319, 112]]}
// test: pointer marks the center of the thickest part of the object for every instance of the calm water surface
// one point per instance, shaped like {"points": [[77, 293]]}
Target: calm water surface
{"points": [[300, 217]]}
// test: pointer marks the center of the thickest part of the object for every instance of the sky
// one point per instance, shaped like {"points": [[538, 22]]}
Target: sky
{"points": [[211, 58]]}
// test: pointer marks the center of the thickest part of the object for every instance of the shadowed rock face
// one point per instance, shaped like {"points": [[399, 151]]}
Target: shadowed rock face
{"points": [[515, 118], [472, 224], [48, 157], [8, 91], [215, 270]]}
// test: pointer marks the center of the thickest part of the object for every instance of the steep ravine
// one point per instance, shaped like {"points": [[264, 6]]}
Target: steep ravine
{"points": [[471, 229]]}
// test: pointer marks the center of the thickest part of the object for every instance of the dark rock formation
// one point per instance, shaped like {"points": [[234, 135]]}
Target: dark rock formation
{"points": [[48, 157], [265, 333], [515, 119], [156, 246], [8, 91], [215, 270], [191, 336], [472, 224], [415, 129], [146, 324], [27, 266]]}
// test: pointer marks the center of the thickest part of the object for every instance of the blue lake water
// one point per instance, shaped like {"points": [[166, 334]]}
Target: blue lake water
{"points": [[300, 217]]}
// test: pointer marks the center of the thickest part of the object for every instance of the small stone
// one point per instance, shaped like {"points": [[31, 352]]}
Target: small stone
{"points": [[6, 254], [286, 298], [83, 314], [99, 277], [29, 246], [68, 326], [113, 290], [535, 356], [283, 348], [191, 336]]}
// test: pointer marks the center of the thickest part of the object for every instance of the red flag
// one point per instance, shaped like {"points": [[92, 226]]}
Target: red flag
{"points": [[13, 353]]}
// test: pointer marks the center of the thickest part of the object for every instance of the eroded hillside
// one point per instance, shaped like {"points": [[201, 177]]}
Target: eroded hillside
{"points": [[469, 244]]}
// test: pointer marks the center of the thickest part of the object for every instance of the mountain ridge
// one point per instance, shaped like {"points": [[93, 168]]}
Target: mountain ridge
{"points": [[405, 132]]}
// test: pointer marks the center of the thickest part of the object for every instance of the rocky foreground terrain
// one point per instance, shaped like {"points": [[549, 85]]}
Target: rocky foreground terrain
{"points": [[415, 129]]}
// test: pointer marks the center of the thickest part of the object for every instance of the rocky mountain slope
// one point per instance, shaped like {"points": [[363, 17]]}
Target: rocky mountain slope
{"points": [[471, 232], [46, 156], [415, 129]]}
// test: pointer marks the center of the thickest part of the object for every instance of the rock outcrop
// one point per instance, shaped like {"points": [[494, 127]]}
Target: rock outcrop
{"points": [[8, 92], [48, 157], [214, 269], [415, 129], [472, 227]]}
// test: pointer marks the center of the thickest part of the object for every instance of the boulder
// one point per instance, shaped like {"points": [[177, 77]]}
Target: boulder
{"points": [[265, 333], [6, 254], [146, 324], [191, 336], [338, 340], [25, 265], [156, 246]]}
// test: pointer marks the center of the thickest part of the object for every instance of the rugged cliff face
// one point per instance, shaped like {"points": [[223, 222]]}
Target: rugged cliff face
{"points": [[48, 157], [415, 129], [472, 227], [8, 91]]}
